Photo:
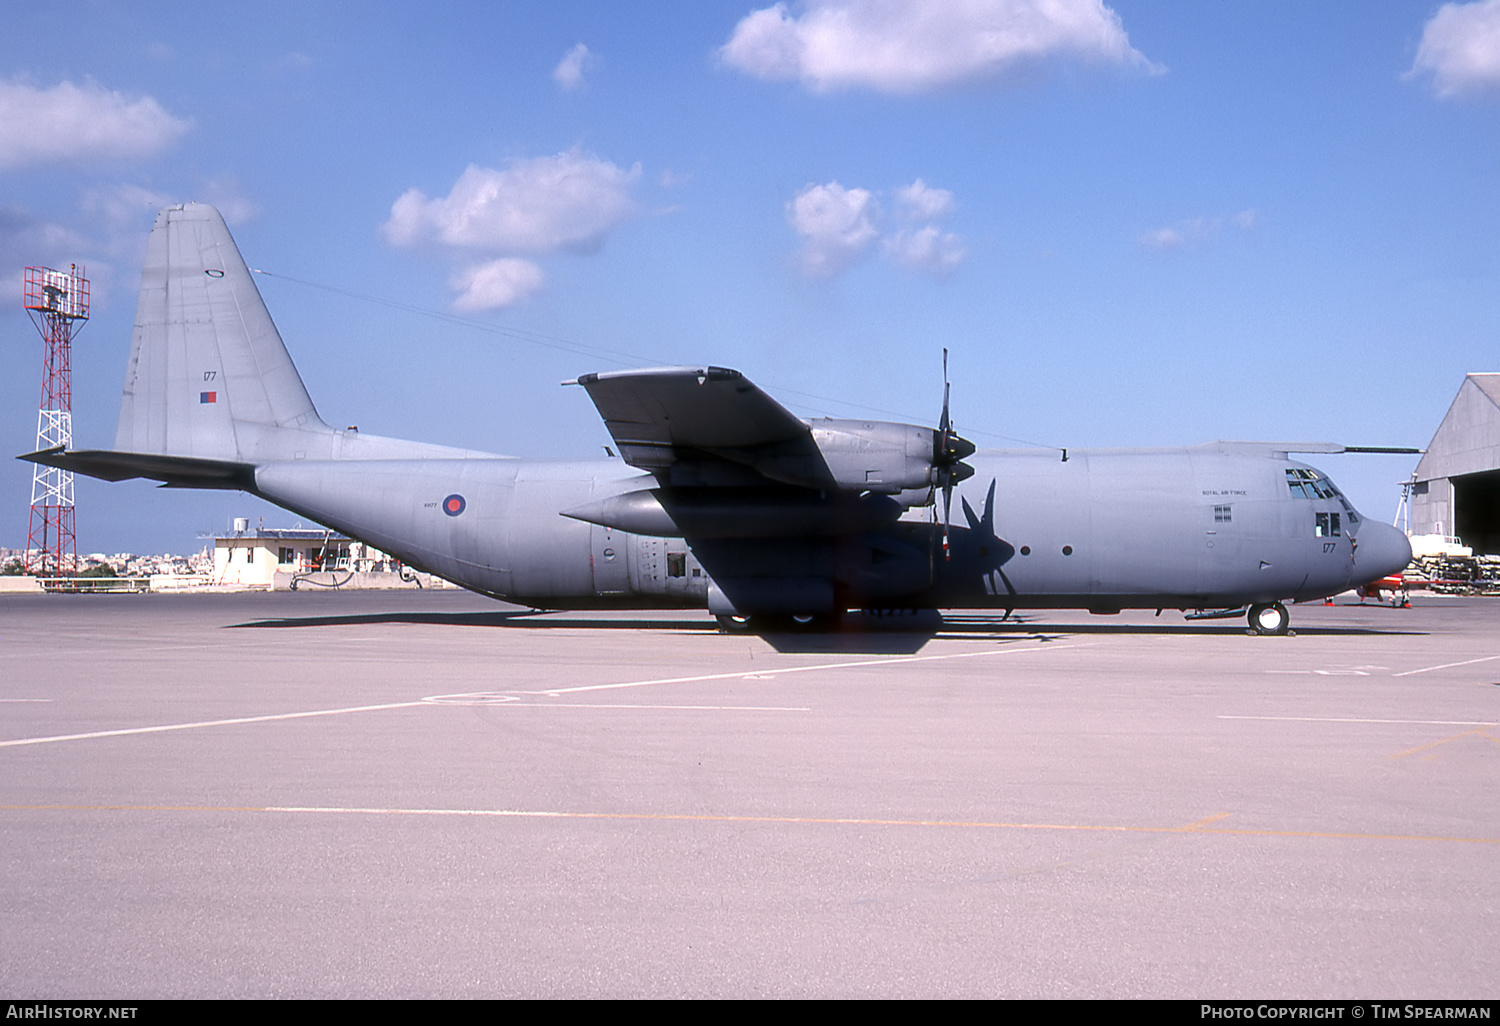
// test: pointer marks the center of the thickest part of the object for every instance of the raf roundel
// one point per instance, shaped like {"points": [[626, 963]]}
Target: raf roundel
{"points": [[453, 505]]}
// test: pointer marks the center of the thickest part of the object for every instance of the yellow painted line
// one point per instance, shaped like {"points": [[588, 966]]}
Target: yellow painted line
{"points": [[1362, 719], [668, 708], [1434, 744], [1349, 836], [1191, 828], [1447, 666]]}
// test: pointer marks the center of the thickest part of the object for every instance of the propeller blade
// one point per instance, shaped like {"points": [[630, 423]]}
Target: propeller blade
{"points": [[945, 426], [975, 523], [947, 514]]}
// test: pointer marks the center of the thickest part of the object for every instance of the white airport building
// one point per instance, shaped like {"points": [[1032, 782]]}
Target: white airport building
{"points": [[254, 557]]}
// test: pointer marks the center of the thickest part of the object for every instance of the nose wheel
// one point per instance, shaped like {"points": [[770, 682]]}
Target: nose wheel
{"points": [[1269, 618]]}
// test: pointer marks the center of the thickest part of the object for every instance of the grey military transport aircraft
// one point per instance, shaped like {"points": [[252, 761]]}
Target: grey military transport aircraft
{"points": [[721, 497]]}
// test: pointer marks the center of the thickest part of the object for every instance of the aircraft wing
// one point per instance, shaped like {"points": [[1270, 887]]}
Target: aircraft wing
{"points": [[1282, 449], [666, 414]]}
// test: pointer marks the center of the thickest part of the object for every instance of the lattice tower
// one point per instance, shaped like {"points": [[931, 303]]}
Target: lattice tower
{"points": [[58, 302]]}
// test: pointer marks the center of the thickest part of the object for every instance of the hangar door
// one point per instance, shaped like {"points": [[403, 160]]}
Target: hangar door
{"points": [[1476, 517]]}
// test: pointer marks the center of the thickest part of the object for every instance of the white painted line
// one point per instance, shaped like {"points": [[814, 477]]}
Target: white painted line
{"points": [[474, 698], [768, 672], [1446, 666], [1353, 719], [1327, 673], [498, 698], [205, 723]]}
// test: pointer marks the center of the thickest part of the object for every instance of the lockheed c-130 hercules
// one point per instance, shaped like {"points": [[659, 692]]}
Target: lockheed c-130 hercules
{"points": [[721, 497]]}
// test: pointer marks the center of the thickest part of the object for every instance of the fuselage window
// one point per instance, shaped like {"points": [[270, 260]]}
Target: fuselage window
{"points": [[676, 564], [1328, 525]]}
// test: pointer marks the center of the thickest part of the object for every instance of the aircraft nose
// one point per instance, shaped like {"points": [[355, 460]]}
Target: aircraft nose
{"points": [[1382, 550]]}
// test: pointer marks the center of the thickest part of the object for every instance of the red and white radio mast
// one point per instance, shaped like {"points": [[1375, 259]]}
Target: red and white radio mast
{"points": [[58, 302]]}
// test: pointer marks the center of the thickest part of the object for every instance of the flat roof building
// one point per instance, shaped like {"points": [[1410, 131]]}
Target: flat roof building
{"points": [[252, 556]]}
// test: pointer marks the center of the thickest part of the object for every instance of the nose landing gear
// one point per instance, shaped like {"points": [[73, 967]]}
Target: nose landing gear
{"points": [[1269, 618]]}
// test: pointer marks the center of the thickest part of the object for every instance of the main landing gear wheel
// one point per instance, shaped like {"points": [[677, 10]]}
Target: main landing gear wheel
{"points": [[798, 623], [1269, 618], [802, 623]]}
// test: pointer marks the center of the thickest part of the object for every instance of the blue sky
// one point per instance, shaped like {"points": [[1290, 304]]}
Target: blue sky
{"points": [[1133, 224]]}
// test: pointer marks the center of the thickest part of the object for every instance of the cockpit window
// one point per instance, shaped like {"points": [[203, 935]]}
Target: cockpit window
{"points": [[1309, 484]]}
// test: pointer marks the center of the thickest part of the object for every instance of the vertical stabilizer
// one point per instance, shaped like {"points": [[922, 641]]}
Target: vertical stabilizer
{"points": [[209, 375]]}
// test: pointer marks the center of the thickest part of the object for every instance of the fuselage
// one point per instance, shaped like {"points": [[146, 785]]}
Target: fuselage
{"points": [[1204, 527]]}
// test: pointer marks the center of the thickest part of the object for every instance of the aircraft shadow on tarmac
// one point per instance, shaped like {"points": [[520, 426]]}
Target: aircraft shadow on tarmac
{"points": [[856, 634]]}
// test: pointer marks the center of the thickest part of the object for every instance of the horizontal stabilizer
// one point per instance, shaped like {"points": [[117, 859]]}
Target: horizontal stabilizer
{"points": [[173, 471]]}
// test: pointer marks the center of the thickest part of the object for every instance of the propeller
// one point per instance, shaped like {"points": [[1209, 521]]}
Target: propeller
{"points": [[948, 452], [990, 544]]}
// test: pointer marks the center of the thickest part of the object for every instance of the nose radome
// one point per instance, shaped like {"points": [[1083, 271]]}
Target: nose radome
{"points": [[1382, 551]]}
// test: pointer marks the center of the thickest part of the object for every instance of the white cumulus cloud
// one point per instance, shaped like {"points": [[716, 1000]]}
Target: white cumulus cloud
{"points": [[68, 122], [534, 207], [124, 207], [913, 46], [541, 205], [1460, 49], [498, 283], [1196, 229], [839, 225], [1164, 238], [123, 204], [927, 249], [569, 70], [921, 202], [836, 224], [28, 239]]}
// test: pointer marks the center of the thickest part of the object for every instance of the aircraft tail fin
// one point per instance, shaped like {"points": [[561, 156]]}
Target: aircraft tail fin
{"points": [[209, 376]]}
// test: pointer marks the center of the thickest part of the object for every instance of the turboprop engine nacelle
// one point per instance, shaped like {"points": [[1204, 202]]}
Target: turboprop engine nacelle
{"points": [[899, 460]]}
